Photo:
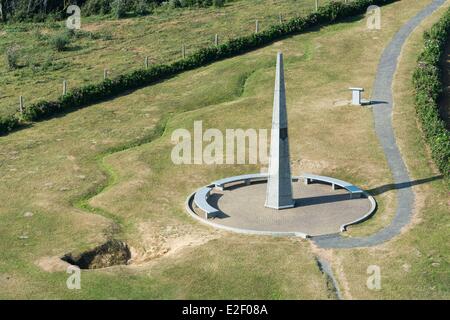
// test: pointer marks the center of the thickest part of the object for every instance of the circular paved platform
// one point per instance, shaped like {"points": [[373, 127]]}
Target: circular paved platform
{"points": [[319, 210]]}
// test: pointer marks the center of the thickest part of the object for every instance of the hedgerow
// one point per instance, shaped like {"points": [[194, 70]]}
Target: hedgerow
{"points": [[7, 123], [93, 93], [428, 86]]}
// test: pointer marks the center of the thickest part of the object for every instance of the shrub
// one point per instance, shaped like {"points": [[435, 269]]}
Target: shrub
{"points": [[428, 88], [12, 57], [119, 8], [142, 7], [93, 7], [7, 123], [60, 42], [174, 4], [219, 3]]}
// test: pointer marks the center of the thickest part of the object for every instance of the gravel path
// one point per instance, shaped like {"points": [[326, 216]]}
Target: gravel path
{"points": [[382, 93]]}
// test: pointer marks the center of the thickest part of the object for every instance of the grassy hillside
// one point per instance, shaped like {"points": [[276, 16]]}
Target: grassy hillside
{"points": [[67, 173], [122, 45], [416, 264]]}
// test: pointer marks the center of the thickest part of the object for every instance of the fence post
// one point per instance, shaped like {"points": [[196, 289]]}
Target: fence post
{"points": [[64, 91], [21, 104], [280, 18], [216, 40], [146, 62], [256, 26], [105, 74], [317, 5], [183, 51]]}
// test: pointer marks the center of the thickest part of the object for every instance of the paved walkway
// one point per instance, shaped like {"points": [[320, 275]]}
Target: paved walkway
{"points": [[382, 92]]}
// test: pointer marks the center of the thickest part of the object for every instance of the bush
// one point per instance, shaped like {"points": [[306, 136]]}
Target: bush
{"points": [[142, 7], [60, 42], [7, 123], [428, 88], [219, 3], [93, 7], [12, 57], [174, 4], [119, 8], [93, 93]]}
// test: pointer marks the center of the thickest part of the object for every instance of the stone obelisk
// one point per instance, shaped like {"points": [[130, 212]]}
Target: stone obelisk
{"points": [[279, 183]]}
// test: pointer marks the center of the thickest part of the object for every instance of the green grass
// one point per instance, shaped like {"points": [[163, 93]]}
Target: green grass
{"points": [[416, 264], [108, 158], [121, 45]]}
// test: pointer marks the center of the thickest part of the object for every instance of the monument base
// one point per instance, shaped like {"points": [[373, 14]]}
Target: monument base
{"points": [[280, 207], [318, 209]]}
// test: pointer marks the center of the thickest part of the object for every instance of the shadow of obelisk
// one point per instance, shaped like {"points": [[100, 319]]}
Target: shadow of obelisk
{"points": [[279, 184]]}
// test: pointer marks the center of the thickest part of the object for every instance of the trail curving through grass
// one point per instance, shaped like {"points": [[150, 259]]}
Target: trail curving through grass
{"points": [[382, 112]]}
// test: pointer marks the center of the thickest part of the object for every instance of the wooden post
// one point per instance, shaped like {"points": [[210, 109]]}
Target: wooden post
{"points": [[280, 18], [256, 26], [216, 40], [21, 104], [183, 51], [105, 74], [146, 62], [317, 5], [64, 91]]}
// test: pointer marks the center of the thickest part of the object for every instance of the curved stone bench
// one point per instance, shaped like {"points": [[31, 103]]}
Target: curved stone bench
{"points": [[247, 178], [355, 192], [201, 201]]}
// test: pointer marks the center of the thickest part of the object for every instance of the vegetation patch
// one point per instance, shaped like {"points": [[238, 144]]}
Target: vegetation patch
{"points": [[428, 89], [37, 11], [89, 94]]}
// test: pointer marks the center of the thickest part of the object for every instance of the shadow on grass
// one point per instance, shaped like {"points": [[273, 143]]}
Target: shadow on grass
{"points": [[396, 186]]}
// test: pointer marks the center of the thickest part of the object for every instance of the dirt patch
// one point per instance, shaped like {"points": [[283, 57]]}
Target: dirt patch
{"points": [[308, 165], [160, 241], [341, 103], [111, 253], [52, 264]]}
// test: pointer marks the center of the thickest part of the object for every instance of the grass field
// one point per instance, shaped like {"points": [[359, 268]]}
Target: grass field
{"points": [[121, 45], [416, 264], [81, 191]]}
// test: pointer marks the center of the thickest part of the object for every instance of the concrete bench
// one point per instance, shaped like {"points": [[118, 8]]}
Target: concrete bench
{"points": [[201, 201], [355, 192], [247, 178]]}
